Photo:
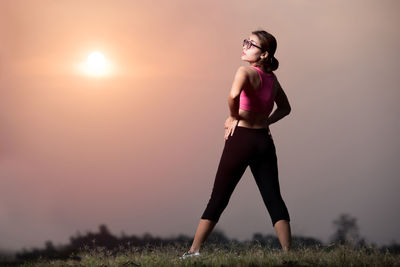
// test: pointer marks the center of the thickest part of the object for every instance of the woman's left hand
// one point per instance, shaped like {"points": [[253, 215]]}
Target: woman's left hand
{"points": [[230, 125]]}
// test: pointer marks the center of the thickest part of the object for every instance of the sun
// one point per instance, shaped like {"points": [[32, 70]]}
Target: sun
{"points": [[96, 64]]}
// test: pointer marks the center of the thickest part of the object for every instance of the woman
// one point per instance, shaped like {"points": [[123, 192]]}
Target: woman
{"points": [[248, 141]]}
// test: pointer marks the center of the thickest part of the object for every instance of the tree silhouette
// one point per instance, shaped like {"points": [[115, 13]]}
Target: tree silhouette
{"points": [[347, 231]]}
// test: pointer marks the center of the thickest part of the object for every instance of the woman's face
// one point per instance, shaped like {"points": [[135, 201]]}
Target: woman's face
{"points": [[253, 53]]}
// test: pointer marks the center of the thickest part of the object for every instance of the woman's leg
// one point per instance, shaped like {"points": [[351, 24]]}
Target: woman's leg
{"points": [[265, 171], [203, 230], [232, 165], [282, 228]]}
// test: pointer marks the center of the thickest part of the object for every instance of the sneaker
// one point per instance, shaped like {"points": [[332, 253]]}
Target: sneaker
{"points": [[188, 255]]}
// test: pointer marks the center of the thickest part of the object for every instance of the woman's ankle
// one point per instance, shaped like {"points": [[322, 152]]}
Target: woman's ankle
{"points": [[286, 248], [193, 250]]}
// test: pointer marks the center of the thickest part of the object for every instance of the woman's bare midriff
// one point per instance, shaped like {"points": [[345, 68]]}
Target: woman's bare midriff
{"points": [[252, 119]]}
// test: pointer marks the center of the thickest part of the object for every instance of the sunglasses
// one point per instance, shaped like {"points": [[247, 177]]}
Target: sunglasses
{"points": [[249, 44]]}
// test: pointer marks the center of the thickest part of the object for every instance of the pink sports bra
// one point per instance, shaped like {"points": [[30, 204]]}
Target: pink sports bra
{"points": [[260, 100]]}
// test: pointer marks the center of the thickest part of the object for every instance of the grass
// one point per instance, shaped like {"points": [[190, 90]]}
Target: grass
{"points": [[214, 255]]}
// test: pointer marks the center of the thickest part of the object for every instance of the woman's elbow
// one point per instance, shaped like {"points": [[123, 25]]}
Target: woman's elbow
{"points": [[285, 109], [233, 96]]}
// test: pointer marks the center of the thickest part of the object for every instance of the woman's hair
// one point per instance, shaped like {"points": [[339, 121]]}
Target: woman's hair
{"points": [[268, 43]]}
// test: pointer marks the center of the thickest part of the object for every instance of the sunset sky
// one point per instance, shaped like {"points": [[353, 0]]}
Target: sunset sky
{"points": [[137, 149]]}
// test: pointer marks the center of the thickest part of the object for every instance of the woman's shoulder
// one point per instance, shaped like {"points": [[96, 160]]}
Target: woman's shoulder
{"points": [[246, 70], [254, 69]]}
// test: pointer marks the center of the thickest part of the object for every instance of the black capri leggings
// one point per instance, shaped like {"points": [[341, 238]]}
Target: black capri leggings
{"points": [[256, 148]]}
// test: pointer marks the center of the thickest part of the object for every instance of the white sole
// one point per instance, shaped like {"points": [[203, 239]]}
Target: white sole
{"points": [[189, 255]]}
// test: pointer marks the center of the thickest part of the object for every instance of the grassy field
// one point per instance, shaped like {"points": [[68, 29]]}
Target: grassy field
{"points": [[213, 255]]}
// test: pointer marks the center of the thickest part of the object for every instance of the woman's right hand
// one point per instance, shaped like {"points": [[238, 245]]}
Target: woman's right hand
{"points": [[230, 125]]}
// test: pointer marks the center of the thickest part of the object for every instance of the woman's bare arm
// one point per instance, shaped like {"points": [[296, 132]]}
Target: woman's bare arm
{"points": [[241, 78], [283, 106]]}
